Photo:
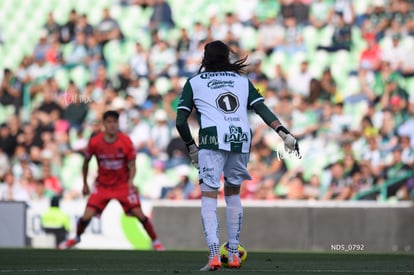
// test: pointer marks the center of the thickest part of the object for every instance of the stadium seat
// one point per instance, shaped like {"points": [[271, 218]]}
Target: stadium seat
{"points": [[249, 38], [80, 75], [62, 78], [310, 37], [163, 85]]}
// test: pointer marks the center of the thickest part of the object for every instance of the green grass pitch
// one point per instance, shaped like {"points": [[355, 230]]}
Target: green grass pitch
{"points": [[46, 261]]}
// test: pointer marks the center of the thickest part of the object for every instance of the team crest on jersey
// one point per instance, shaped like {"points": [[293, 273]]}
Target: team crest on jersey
{"points": [[236, 135]]}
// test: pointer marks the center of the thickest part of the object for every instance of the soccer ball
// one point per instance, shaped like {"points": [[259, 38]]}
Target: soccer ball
{"points": [[224, 251]]}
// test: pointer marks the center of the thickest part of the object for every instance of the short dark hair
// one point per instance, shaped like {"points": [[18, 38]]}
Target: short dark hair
{"points": [[110, 113], [54, 202]]}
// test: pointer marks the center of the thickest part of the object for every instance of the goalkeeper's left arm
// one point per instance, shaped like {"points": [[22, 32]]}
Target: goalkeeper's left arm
{"points": [[272, 121]]}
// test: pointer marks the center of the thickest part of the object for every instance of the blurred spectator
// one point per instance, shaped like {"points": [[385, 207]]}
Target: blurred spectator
{"points": [[377, 19], [370, 57], [299, 81], [76, 110], [11, 90], [395, 54], [278, 81], [230, 24], [312, 189], [139, 61], [160, 135], [304, 119], [407, 153], [293, 39], [68, 30], [362, 179], [177, 152], [159, 180], [197, 34], [244, 10], [256, 75], [83, 26], [78, 54], [406, 128], [270, 35], [108, 29], [162, 60], [50, 181], [328, 86], [137, 91], [11, 190], [387, 131], [395, 170], [140, 133], [102, 81], [341, 123], [4, 163], [54, 55], [184, 186], [346, 7], [94, 56], [182, 50], [339, 186], [52, 28], [40, 191], [161, 17], [319, 13], [291, 186], [123, 79], [373, 156], [154, 95], [341, 37], [296, 9], [270, 163]]}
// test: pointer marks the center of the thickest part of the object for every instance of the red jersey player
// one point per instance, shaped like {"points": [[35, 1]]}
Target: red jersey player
{"points": [[116, 170]]}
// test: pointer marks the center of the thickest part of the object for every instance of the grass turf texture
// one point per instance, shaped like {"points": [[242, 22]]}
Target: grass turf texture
{"points": [[44, 261]]}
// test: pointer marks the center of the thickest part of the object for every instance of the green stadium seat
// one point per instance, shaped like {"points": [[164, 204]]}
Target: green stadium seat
{"points": [[62, 78], [163, 85], [80, 75], [248, 39], [311, 37]]}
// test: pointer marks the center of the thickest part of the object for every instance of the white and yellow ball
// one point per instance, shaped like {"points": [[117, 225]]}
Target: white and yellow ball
{"points": [[224, 252]]}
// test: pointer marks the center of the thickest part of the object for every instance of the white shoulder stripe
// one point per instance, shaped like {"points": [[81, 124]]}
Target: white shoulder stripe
{"points": [[256, 100], [183, 108]]}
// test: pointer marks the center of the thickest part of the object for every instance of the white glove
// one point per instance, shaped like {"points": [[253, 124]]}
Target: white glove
{"points": [[291, 144], [193, 152]]}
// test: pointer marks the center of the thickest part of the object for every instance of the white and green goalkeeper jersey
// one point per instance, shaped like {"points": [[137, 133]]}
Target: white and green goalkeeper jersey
{"points": [[221, 100]]}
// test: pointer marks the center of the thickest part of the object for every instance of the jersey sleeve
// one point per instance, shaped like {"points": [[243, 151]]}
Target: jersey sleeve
{"points": [[186, 99], [254, 96]]}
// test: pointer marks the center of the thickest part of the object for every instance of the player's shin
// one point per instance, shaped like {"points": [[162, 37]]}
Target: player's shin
{"points": [[81, 226], [146, 223], [210, 224], [234, 220]]}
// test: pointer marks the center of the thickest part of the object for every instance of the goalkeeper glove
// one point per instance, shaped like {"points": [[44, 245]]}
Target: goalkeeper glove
{"points": [[193, 152], [291, 144]]}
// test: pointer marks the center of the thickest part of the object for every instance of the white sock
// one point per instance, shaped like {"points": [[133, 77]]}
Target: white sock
{"points": [[234, 219], [210, 224]]}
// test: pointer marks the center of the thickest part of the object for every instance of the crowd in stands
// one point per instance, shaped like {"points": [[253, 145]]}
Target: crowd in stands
{"points": [[340, 77]]}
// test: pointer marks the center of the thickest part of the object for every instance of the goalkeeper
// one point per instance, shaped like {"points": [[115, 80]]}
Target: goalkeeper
{"points": [[221, 97]]}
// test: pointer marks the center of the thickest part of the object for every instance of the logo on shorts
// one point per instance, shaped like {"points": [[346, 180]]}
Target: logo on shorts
{"points": [[236, 135]]}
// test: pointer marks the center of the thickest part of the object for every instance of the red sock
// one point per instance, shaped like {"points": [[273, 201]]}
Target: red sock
{"points": [[149, 228]]}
